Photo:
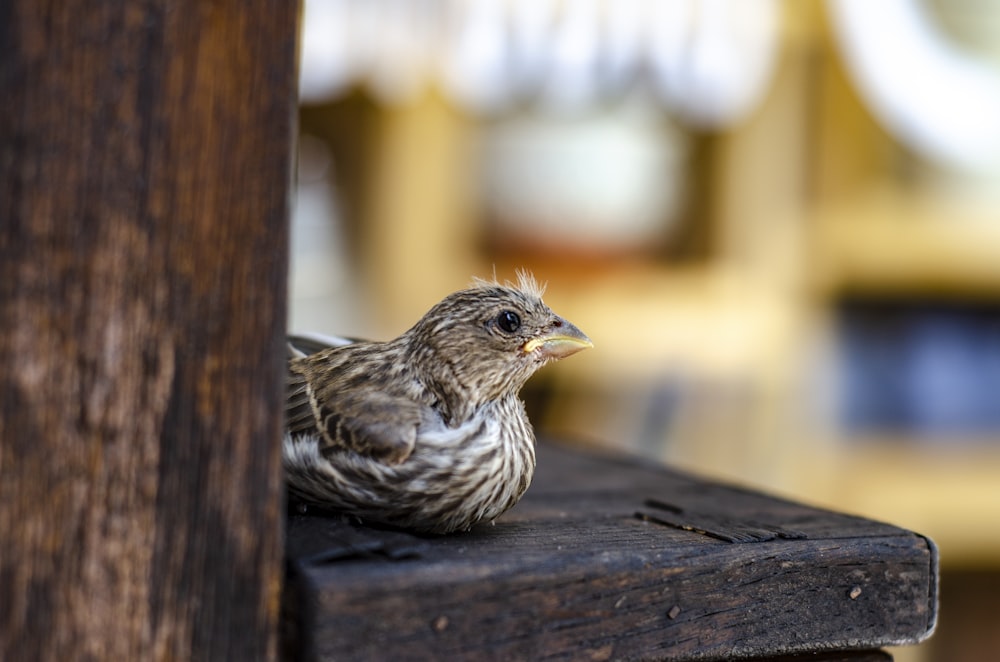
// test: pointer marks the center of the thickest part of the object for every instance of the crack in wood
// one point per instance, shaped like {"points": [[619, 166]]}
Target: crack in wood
{"points": [[714, 525]]}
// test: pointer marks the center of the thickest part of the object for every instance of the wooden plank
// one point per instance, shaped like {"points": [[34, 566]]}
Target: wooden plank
{"points": [[832, 656], [145, 160], [580, 570]]}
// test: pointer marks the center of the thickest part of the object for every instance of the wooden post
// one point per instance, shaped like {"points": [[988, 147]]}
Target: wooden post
{"points": [[144, 185]]}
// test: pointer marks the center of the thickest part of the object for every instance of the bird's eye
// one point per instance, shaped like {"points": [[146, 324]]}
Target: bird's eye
{"points": [[509, 321]]}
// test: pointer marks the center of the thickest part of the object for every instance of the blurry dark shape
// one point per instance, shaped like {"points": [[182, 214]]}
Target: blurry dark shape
{"points": [[666, 396], [344, 130], [967, 630], [320, 274], [919, 367]]}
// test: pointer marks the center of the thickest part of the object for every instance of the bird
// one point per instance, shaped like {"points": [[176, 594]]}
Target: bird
{"points": [[425, 432]]}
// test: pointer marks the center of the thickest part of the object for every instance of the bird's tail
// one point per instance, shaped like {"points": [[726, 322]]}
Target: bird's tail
{"points": [[304, 344]]}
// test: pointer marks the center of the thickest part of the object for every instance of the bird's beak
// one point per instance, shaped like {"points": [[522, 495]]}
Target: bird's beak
{"points": [[564, 340]]}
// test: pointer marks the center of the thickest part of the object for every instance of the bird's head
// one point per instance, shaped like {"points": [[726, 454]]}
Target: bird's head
{"points": [[491, 338]]}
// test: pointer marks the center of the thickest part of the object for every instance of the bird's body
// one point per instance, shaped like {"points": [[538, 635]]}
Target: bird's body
{"points": [[427, 431]]}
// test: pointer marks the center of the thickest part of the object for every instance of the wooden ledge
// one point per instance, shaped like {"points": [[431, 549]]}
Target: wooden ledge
{"points": [[607, 558]]}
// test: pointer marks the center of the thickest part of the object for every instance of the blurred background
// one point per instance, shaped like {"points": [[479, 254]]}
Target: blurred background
{"points": [[779, 221]]}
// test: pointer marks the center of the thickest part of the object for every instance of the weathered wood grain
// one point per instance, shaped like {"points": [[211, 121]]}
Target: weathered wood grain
{"points": [[573, 573], [145, 153]]}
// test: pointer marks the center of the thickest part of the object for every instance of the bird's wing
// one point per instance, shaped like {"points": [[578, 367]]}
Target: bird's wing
{"points": [[361, 419]]}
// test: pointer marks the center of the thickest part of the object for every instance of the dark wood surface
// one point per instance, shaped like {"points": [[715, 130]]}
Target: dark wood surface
{"points": [[145, 164], [612, 559]]}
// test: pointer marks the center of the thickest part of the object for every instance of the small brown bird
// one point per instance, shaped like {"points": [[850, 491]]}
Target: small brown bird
{"points": [[426, 431]]}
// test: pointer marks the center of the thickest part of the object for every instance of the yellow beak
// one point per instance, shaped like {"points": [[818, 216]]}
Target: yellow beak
{"points": [[564, 341]]}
